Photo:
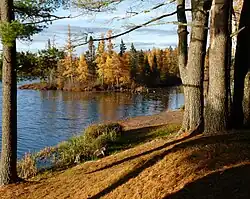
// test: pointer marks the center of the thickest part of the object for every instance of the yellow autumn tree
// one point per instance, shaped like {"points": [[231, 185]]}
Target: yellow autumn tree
{"points": [[110, 45], [101, 60], [69, 62], [150, 55], [124, 77], [83, 73], [109, 77]]}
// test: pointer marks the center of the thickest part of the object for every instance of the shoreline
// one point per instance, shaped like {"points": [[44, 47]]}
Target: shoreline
{"points": [[98, 88], [113, 136]]}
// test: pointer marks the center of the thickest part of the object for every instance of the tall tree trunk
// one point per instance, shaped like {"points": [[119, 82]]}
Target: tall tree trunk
{"points": [[246, 101], [216, 110], [8, 172], [191, 63], [242, 65]]}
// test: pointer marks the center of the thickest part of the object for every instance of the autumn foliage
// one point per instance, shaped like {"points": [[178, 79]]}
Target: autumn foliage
{"points": [[107, 67]]}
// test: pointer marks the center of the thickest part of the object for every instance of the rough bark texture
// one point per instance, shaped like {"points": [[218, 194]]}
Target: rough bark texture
{"points": [[192, 66], [8, 172], [246, 101], [242, 65], [216, 113]]}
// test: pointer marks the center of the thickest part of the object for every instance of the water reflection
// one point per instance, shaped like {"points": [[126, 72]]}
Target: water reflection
{"points": [[48, 117]]}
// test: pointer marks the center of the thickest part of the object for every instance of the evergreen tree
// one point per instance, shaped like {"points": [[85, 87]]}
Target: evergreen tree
{"points": [[90, 57], [146, 72], [122, 48], [37, 13], [140, 70], [133, 62], [154, 74]]}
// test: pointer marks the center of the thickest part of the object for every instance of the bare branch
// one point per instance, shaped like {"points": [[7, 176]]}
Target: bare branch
{"points": [[149, 10], [47, 20], [132, 29]]}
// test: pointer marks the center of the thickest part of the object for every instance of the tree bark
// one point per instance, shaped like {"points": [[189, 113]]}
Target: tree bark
{"points": [[242, 65], [191, 62], [8, 172], [216, 110], [246, 101]]}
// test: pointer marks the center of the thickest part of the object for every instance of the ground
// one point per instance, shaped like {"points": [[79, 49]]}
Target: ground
{"points": [[214, 166]]}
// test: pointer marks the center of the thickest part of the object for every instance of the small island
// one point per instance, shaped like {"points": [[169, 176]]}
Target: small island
{"points": [[99, 69]]}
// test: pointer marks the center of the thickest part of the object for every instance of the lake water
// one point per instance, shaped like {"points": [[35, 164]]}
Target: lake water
{"points": [[46, 118]]}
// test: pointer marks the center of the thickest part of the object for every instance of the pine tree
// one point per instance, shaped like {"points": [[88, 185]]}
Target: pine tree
{"points": [[146, 72], [8, 171], [140, 68], [154, 74], [133, 62], [90, 57], [122, 48]]}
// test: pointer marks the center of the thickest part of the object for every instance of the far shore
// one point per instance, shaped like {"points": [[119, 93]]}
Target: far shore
{"points": [[96, 88]]}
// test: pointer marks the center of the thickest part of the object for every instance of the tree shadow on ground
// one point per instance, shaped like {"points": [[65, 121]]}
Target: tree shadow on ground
{"points": [[140, 154], [230, 183], [133, 137], [176, 145]]}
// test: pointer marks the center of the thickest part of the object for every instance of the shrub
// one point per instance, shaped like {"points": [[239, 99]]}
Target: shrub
{"points": [[93, 131], [26, 167], [66, 153]]}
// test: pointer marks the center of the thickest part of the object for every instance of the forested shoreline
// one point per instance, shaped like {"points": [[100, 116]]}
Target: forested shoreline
{"points": [[101, 68]]}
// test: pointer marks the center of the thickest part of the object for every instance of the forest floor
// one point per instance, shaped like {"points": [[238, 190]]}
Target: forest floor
{"points": [[167, 166]]}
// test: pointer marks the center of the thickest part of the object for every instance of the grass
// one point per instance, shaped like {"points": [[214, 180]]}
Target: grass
{"points": [[83, 147], [133, 137], [64, 155]]}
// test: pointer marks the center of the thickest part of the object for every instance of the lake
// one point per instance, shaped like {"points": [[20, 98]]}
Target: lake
{"points": [[46, 118]]}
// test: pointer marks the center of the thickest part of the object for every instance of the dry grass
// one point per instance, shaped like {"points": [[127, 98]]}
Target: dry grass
{"points": [[199, 167], [188, 168], [73, 151]]}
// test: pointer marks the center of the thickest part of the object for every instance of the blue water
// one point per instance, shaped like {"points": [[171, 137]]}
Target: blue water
{"points": [[46, 118]]}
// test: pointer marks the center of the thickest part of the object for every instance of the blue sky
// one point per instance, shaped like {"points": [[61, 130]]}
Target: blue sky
{"points": [[145, 38]]}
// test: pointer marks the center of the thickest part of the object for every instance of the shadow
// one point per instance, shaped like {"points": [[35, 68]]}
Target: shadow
{"points": [[135, 136], [230, 183], [180, 144], [134, 173], [139, 155]]}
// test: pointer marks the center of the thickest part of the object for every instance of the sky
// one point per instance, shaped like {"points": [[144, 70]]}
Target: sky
{"points": [[156, 35]]}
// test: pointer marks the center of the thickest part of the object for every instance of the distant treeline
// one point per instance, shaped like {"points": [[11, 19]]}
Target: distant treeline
{"points": [[102, 66]]}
